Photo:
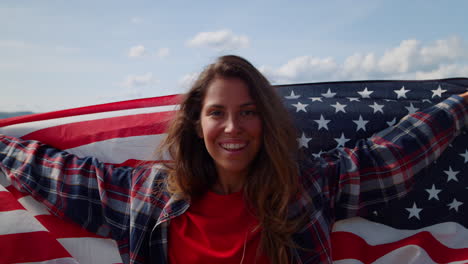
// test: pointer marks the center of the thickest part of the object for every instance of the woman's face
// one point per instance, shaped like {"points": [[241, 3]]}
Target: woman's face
{"points": [[230, 126]]}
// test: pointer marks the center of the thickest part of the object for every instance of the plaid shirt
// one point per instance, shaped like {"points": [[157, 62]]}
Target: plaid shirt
{"points": [[131, 206]]}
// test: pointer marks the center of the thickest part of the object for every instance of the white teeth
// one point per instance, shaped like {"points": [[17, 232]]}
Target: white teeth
{"points": [[231, 146]]}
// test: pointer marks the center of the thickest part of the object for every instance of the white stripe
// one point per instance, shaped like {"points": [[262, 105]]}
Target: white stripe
{"points": [[2, 187], [34, 207], [4, 181], [22, 129], [92, 250], [118, 150], [409, 255], [54, 261], [19, 221], [451, 234]]}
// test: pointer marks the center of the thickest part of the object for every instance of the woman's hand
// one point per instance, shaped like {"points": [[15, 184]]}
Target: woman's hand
{"points": [[465, 96]]}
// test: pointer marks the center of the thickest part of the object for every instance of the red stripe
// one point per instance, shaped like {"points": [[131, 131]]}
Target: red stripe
{"points": [[60, 228], [124, 105], [81, 133], [30, 247], [350, 246], [9, 203], [17, 194]]}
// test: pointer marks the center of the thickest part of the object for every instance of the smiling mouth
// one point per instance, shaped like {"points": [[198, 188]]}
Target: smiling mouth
{"points": [[233, 146]]}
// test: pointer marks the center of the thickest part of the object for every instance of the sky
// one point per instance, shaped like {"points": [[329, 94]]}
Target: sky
{"points": [[63, 54]]}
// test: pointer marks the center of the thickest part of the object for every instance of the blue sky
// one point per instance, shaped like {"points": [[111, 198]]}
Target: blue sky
{"points": [[62, 54]]}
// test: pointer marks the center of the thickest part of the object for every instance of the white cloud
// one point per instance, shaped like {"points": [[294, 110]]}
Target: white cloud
{"points": [[162, 52], [219, 40], [137, 51], [187, 80], [443, 71], [399, 59], [146, 79], [411, 59]]}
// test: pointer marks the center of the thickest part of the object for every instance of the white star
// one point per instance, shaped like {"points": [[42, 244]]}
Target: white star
{"points": [[316, 99], [339, 107], [365, 93], [300, 107], [303, 141], [454, 205], [391, 123], [377, 107], [317, 155], [329, 94], [433, 193], [341, 140], [361, 123], [401, 93], [465, 155], [322, 123], [414, 211], [438, 92], [411, 109], [353, 99], [452, 175], [292, 96]]}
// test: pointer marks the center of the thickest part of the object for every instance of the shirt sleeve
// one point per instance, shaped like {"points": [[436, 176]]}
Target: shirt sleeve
{"points": [[382, 167], [101, 198]]}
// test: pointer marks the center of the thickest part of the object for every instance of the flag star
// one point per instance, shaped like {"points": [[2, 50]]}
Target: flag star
{"points": [[452, 175], [391, 123], [401, 93], [433, 193], [317, 155], [300, 107], [454, 205], [426, 101], [411, 109], [341, 140], [329, 94], [465, 155], [365, 93], [414, 211], [361, 123], [377, 107], [438, 92], [353, 99], [292, 96], [316, 99], [322, 123], [339, 107], [303, 141]]}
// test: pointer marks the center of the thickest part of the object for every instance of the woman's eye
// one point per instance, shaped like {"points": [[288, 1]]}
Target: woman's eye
{"points": [[215, 113], [248, 113]]}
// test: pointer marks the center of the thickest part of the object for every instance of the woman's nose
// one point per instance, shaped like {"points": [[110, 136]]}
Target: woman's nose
{"points": [[232, 125]]}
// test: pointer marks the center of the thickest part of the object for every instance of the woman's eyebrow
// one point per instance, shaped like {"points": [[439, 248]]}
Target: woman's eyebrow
{"points": [[222, 106]]}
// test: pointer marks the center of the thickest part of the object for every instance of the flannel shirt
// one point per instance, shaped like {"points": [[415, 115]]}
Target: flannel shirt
{"points": [[131, 204]]}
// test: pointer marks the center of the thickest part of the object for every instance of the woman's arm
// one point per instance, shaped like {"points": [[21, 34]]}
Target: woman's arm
{"points": [[92, 194], [382, 167]]}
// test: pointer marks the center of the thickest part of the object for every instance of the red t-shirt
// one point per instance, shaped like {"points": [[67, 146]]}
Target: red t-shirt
{"points": [[215, 229]]}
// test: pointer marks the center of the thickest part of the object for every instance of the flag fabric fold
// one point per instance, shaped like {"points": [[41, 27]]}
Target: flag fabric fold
{"points": [[427, 226]]}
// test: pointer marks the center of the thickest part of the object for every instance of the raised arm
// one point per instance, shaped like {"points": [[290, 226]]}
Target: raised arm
{"points": [[92, 194], [382, 167]]}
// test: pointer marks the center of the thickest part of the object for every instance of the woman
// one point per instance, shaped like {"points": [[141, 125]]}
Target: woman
{"points": [[237, 191]]}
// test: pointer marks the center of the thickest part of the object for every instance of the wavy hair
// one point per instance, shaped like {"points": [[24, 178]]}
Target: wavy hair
{"points": [[272, 182]]}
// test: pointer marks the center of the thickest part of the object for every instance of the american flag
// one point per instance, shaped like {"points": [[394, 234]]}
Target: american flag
{"points": [[427, 226]]}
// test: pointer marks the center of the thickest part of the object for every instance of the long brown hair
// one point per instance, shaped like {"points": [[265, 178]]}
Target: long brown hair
{"points": [[272, 182]]}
